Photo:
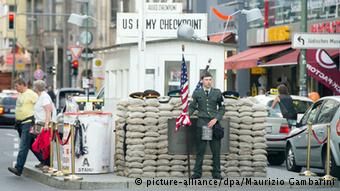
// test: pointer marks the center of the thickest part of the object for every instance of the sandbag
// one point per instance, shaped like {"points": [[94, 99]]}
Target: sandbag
{"points": [[136, 108], [152, 102], [136, 114]]}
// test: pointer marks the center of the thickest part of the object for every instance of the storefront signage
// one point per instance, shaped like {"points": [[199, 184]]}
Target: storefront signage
{"points": [[281, 33], [310, 41], [322, 68], [160, 25], [258, 71], [326, 27], [163, 7]]}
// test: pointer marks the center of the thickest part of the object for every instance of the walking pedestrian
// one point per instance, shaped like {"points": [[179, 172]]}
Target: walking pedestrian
{"points": [[44, 114], [208, 101], [24, 117]]}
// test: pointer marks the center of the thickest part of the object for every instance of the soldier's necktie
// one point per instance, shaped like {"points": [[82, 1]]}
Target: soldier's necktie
{"points": [[206, 93]]}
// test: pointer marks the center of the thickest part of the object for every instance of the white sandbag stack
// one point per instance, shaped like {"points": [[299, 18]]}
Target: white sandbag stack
{"points": [[259, 152], [119, 152], [245, 108], [135, 138], [151, 137], [231, 168], [163, 159]]}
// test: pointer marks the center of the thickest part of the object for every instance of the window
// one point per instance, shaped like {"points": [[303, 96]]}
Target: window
{"points": [[114, 10], [12, 8], [173, 75], [311, 114], [328, 111], [301, 106]]}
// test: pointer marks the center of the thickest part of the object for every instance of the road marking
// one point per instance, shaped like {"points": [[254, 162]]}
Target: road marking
{"points": [[15, 153], [16, 145], [14, 163], [16, 139]]}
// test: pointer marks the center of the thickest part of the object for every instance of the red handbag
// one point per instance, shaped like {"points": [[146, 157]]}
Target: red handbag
{"points": [[42, 144]]}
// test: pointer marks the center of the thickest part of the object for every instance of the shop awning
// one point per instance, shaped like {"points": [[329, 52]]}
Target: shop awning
{"points": [[249, 58], [292, 58]]}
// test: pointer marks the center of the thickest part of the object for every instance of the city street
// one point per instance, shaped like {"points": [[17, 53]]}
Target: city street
{"points": [[128, 95], [8, 181]]}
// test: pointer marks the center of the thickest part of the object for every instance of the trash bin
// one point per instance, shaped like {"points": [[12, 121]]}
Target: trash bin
{"points": [[97, 139]]}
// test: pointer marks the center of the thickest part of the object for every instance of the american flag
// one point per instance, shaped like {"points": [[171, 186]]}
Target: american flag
{"points": [[183, 118]]}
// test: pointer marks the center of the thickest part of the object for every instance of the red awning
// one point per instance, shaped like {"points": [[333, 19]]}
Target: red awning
{"points": [[292, 58], [250, 57]]}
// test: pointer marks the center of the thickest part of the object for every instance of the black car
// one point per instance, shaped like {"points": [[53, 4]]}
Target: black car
{"points": [[7, 110]]}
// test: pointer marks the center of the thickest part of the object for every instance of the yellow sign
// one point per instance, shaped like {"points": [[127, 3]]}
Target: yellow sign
{"points": [[258, 71], [20, 65], [274, 91], [280, 33]]}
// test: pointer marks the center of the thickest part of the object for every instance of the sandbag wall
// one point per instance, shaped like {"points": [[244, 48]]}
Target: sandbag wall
{"points": [[248, 155], [145, 138]]}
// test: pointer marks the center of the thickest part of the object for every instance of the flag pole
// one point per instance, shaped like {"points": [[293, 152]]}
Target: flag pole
{"points": [[187, 135]]}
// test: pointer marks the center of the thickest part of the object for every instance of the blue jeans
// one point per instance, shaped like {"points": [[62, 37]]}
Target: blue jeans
{"points": [[26, 141]]}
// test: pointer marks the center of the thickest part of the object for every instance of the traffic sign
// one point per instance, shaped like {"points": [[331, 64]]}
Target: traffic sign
{"points": [[315, 41], [39, 74], [76, 51], [20, 64], [89, 55]]}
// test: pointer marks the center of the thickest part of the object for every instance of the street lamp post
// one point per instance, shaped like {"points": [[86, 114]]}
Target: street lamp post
{"points": [[242, 75], [79, 20]]}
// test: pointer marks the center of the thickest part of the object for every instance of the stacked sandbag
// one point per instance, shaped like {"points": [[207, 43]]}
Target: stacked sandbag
{"points": [[151, 137], [231, 162], [121, 117], [163, 159], [135, 138], [259, 152], [245, 137]]}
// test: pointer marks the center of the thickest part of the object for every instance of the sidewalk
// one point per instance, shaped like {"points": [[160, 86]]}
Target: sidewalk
{"points": [[112, 181]]}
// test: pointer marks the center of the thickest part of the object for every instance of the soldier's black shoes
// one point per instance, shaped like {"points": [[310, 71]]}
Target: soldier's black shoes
{"points": [[14, 171]]}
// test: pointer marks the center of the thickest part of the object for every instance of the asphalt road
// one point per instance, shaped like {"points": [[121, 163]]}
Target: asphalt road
{"points": [[9, 144]]}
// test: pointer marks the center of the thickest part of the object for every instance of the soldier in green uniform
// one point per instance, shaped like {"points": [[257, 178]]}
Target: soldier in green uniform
{"points": [[208, 101]]}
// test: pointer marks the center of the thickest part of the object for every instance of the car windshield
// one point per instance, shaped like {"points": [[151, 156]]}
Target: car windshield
{"points": [[8, 101], [299, 105]]}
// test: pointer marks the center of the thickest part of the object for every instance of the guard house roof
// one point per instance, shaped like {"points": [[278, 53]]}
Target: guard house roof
{"points": [[164, 41]]}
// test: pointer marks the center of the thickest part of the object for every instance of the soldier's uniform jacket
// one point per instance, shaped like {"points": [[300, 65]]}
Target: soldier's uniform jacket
{"points": [[208, 107]]}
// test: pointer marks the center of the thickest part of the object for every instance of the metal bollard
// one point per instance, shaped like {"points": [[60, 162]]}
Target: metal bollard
{"points": [[51, 170], [308, 172], [328, 156], [59, 172], [72, 177]]}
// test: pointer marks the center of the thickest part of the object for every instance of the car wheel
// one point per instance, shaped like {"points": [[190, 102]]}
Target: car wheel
{"points": [[276, 159], [290, 161], [334, 169]]}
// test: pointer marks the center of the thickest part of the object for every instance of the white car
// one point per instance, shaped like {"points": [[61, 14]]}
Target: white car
{"points": [[326, 111], [278, 127]]}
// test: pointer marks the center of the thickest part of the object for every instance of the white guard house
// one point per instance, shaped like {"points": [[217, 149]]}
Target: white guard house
{"points": [[161, 70]]}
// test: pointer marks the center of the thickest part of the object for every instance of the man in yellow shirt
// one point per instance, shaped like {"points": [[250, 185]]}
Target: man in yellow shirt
{"points": [[24, 115]]}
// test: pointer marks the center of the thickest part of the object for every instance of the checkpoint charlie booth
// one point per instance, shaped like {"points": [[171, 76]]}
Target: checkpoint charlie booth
{"points": [[146, 144]]}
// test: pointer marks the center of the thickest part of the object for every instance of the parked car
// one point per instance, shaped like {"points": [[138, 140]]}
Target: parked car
{"points": [[278, 126], [63, 93], [322, 113], [7, 109]]}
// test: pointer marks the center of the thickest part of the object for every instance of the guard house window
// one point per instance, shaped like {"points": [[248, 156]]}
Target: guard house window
{"points": [[173, 75]]}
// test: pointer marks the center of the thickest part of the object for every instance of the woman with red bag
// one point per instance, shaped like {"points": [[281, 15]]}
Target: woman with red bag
{"points": [[45, 115]]}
